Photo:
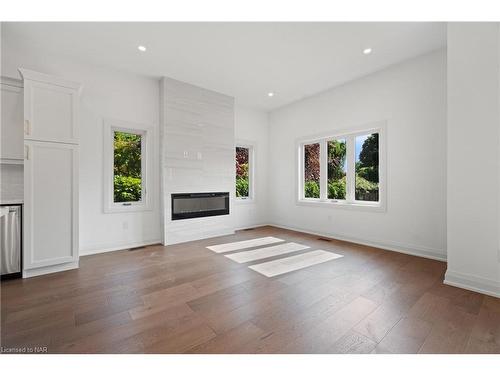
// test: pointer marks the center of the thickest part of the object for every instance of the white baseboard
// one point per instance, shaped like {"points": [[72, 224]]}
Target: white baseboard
{"points": [[105, 248], [392, 246], [474, 283], [252, 226], [49, 269]]}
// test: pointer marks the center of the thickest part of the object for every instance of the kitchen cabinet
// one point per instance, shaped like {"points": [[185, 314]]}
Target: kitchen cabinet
{"points": [[50, 173], [12, 139], [50, 108]]}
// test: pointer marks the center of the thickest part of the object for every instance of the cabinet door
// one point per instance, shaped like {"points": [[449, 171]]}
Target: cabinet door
{"points": [[50, 204], [50, 112], [12, 123]]}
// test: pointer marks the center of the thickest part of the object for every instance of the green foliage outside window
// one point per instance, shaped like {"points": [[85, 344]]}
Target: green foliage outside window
{"points": [[337, 188], [367, 170], [336, 169], [242, 175], [311, 170], [311, 189], [127, 167]]}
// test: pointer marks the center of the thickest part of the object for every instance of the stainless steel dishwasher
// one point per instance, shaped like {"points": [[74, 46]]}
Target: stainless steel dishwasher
{"points": [[10, 241]]}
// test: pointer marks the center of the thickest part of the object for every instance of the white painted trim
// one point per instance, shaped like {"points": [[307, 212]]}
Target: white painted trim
{"points": [[50, 269], [349, 134], [46, 78], [409, 249], [370, 207], [148, 166], [473, 283], [107, 247], [11, 161], [11, 82], [343, 132]]}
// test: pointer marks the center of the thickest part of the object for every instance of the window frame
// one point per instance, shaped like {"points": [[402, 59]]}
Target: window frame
{"points": [[302, 170], [349, 134], [146, 132], [251, 171]]}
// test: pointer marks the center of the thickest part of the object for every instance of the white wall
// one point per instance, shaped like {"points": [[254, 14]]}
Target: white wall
{"points": [[11, 182], [251, 126], [411, 97], [106, 94], [473, 156], [113, 94]]}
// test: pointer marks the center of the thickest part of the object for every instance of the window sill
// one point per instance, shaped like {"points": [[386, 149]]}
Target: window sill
{"points": [[373, 207], [244, 201], [124, 208]]}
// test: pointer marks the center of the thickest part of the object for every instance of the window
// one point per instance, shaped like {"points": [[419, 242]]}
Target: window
{"points": [[337, 169], [367, 160], [311, 171], [244, 172], [343, 169], [127, 166]]}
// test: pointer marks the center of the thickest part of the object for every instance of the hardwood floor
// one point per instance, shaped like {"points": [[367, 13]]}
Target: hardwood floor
{"points": [[188, 299]]}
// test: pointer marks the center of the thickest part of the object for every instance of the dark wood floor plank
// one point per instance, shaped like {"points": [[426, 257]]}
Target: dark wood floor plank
{"points": [[451, 334], [485, 335], [322, 337], [186, 298], [104, 340], [230, 341], [353, 343], [406, 337]]}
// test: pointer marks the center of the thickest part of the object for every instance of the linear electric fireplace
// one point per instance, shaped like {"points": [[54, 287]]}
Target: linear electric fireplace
{"points": [[190, 205]]}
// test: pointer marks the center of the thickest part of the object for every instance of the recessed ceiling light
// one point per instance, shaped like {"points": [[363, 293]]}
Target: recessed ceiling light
{"points": [[270, 94], [367, 51], [141, 48]]}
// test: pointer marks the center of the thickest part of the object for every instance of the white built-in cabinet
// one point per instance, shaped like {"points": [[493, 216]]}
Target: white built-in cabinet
{"points": [[50, 173], [50, 111], [11, 150]]}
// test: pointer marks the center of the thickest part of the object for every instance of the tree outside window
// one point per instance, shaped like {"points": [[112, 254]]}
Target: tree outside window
{"points": [[127, 167], [337, 169], [351, 161], [242, 172], [367, 167], [311, 170]]}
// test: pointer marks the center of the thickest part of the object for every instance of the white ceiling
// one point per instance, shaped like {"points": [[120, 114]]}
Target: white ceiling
{"points": [[244, 60]]}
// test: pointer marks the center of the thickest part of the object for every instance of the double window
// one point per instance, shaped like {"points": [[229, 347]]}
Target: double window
{"points": [[346, 169]]}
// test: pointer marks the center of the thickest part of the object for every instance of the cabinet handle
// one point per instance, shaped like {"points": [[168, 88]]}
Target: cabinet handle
{"points": [[27, 127], [26, 152]]}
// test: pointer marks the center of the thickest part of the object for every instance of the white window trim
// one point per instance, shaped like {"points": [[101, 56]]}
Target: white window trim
{"points": [[147, 152], [349, 134], [251, 171]]}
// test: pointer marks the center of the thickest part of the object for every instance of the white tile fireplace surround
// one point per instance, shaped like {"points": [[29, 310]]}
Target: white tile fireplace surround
{"points": [[197, 155]]}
